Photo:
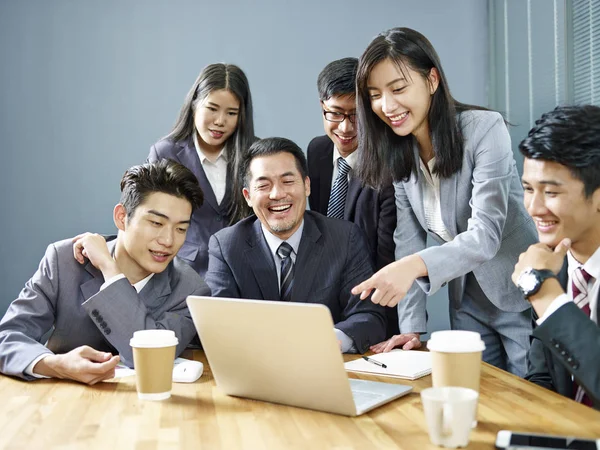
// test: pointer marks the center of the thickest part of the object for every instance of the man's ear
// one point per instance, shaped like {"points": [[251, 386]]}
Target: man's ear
{"points": [[595, 198], [246, 193], [434, 80], [120, 217], [307, 186]]}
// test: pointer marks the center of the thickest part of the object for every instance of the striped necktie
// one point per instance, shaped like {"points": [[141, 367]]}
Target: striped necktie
{"points": [[579, 285], [337, 200], [286, 281]]}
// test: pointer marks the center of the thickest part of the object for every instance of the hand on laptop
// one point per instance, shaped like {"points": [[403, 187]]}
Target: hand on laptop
{"points": [[408, 341], [83, 364]]}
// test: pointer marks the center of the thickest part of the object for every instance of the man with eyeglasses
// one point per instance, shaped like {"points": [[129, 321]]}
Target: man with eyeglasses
{"points": [[335, 191]]}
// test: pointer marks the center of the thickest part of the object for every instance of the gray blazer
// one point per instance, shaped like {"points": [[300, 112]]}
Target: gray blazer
{"points": [[332, 259], [482, 208], [206, 220], [63, 298]]}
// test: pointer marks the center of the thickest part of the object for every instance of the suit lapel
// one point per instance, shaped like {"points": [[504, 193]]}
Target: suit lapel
{"points": [[260, 260], [414, 192], [354, 188], [155, 291], [447, 203], [326, 174], [188, 156], [308, 260]]}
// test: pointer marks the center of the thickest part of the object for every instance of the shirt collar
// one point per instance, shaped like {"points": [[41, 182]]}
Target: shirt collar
{"points": [[350, 159], [142, 283], [202, 156], [592, 265], [274, 242]]}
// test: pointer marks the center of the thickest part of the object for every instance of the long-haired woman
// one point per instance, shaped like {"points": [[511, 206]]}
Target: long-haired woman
{"points": [[455, 180], [214, 128]]}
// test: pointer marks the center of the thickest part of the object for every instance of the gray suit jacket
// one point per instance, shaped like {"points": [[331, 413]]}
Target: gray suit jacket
{"points": [[332, 259], [63, 298], [482, 208], [206, 220]]}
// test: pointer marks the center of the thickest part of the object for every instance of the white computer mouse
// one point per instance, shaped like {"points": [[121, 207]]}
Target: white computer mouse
{"points": [[186, 370]]}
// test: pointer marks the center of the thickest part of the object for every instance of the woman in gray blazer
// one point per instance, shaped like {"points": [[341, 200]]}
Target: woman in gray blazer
{"points": [[455, 180], [215, 127]]}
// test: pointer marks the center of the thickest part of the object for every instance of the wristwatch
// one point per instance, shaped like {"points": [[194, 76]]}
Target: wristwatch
{"points": [[530, 281]]}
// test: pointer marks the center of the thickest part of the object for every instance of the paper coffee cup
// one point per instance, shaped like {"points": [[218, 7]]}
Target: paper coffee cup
{"points": [[153, 356], [456, 358]]}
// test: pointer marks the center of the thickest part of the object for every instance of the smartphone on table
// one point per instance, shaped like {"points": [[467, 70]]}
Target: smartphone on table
{"points": [[509, 440]]}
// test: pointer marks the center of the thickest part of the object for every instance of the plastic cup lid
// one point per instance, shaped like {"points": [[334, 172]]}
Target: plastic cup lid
{"points": [[455, 341], [153, 338]]}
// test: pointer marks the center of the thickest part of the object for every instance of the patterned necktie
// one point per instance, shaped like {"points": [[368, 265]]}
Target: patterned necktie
{"points": [[337, 200], [286, 282], [579, 285]]}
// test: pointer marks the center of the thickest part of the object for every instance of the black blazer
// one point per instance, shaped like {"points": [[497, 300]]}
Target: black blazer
{"points": [[566, 343], [331, 261], [373, 211], [206, 220]]}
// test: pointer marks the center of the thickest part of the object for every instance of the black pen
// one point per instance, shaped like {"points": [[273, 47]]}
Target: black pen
{"points": [[373, 361]]}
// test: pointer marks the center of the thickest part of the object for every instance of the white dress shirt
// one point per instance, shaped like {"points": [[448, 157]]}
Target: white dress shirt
{"points": [[592, 266], [431, 200], [294, 240], [216, 172], [138, 287]]}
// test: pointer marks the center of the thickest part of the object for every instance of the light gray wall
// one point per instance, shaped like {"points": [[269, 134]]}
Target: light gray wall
{"points": [[87, 87]]}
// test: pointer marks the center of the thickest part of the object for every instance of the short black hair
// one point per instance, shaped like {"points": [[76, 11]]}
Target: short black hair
{"points": [[272, 146], [570, 136], [338, 78], [166, 176]]}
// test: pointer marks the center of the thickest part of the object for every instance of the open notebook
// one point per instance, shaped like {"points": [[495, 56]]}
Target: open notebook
{"points": [[409, 364]]}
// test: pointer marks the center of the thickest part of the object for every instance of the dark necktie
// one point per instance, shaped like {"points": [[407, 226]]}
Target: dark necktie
{"points": [[579, 285], [337, 199], [286, 282]]}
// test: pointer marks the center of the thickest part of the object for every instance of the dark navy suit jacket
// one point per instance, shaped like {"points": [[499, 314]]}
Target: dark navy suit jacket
{"points": [[566, 343], [206, 220], [373, 211], [332, 259]]}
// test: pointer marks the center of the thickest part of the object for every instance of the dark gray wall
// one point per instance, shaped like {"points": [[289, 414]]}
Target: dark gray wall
{"points": [[87, 87]]}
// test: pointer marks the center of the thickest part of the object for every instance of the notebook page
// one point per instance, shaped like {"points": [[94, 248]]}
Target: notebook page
{"points": [[407, 364]]}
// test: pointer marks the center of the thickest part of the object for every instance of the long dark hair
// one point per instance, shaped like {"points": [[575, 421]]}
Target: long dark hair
{"points": [[212, 78], [384, 156]]}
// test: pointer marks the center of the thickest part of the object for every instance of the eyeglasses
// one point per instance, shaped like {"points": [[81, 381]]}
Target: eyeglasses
{"points": [[333, 116]]}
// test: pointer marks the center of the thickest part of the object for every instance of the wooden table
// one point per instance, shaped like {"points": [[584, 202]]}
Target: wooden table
{"points": [[57, 414]]}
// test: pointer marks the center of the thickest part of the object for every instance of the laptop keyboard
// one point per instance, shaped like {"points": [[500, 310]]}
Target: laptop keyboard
{"points": [[364, 395]]}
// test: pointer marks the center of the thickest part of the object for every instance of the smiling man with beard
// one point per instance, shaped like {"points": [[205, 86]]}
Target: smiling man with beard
{"points": [[287, 253], [91, 293]]}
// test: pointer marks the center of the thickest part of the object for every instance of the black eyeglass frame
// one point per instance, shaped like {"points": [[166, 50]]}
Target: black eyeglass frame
{"points": [[350, 117]]}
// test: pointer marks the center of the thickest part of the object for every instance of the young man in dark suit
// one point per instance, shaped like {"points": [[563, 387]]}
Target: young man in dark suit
{"points": [[287, 253], [559, 276], [335, 191], [91, 293]]}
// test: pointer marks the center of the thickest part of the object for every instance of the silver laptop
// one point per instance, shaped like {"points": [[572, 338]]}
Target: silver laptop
{"points": [[282, 353]]}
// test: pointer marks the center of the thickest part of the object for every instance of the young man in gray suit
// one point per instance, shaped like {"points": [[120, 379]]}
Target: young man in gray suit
{"points": [[559, 276], [335, 191], [287, 253], [92, 293]]}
